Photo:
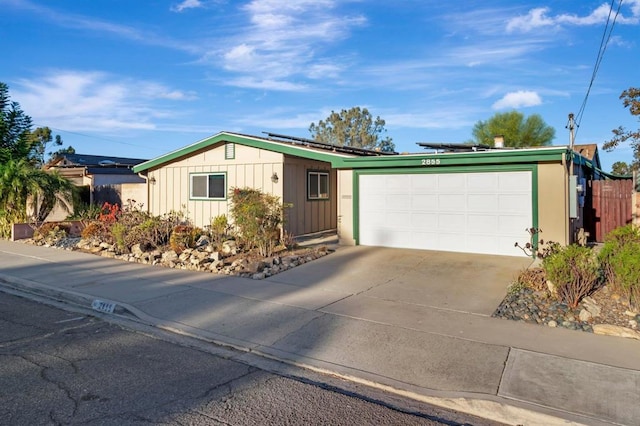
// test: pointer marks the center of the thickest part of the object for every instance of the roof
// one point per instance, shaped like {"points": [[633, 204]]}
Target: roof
{"points": [[84, 160], [345, 159], [290, 145], [587, 150]]}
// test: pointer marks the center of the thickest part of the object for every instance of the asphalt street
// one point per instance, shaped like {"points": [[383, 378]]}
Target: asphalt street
{"points": [[63, 367]]}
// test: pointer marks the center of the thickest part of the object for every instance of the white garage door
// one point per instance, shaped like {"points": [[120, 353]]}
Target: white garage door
{"points": [[463, 212]]}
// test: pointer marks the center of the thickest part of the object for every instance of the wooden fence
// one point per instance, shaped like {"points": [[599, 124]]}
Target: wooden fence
{"points": [[612, 205]]}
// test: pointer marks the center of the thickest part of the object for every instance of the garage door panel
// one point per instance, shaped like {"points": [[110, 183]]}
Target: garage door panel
{"points": [[482, 223], [514, 202], [514, 181], [465, 212], [452, 181], [452, 202], [425, 202], [482, 181], [399, 201], [424, 221], [398, 183], [452, 223], [425, 183]]}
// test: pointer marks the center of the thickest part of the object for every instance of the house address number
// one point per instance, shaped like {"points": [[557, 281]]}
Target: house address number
{"points": [[430, 161], [102, 306]]}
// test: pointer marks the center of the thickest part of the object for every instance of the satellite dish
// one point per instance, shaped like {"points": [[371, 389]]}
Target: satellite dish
{"points": [[107, 163]]}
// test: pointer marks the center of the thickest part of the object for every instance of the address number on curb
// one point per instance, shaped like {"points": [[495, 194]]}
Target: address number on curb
{"points": [[102, 306], [430, 161]]}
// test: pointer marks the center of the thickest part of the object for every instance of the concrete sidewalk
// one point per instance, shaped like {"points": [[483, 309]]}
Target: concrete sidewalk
{"points": [[341, 316]]}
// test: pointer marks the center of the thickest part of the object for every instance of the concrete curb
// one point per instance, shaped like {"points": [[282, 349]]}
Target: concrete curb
{"points": [[492, 407]]}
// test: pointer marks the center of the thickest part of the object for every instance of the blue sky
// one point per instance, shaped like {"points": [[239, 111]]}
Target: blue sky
{"points": [[141, 78]]}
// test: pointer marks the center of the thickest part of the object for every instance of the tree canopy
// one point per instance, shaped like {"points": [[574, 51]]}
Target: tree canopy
{"points": [[621, 168], [17, 139], [26, 191], [517, 131], [355, 127], [630, 99]]}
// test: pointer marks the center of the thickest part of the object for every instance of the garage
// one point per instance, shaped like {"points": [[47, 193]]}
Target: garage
{"points": [[483, 212]]}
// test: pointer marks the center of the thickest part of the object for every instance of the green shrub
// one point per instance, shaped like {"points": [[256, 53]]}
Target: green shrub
{"points": [[574, 271], [620, 260], [119, 231], [182, 237], [258, 218]]}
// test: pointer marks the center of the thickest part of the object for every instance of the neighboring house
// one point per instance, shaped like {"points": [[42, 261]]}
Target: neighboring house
{"points": [[473, 202], [103, 178]]}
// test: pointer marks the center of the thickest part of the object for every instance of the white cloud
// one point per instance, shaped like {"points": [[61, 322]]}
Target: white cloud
{"points": [[95, 101], [284, 41], [519, 99], [539, 17], [187, 4]]}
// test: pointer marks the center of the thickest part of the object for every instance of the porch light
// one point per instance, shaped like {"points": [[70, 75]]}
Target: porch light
{"points": [[274, 177]]}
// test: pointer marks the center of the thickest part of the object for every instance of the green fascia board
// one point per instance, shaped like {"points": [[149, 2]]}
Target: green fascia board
{"points": [[493, 157], [252, 141], [341, 161]]}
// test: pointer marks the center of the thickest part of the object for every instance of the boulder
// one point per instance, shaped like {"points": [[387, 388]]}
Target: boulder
{"points": [[616, 330], [591, 306], [229, 247], [255, 266], [585, 315], [136, 250], [169, 256]]}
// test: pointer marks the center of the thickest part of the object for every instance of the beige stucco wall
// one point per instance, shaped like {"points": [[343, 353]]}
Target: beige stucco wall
{"points": [[308, 216], [553, 207], [345, 207], [136, 192], [251, 167]]}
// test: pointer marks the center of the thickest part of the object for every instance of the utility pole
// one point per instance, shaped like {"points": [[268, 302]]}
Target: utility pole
{"points": [[571, 125]]}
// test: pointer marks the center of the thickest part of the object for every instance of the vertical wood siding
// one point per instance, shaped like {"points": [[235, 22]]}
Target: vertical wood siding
{"points": [[308, 216], [251, 167]]}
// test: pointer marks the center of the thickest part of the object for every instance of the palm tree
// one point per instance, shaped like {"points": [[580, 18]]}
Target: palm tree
{"points": [[25, 189]]}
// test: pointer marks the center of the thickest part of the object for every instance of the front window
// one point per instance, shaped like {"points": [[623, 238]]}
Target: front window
{"points": [[318, 185], [208, 186]]}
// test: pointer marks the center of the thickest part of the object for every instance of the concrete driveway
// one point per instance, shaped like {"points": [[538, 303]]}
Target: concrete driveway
{"points": [[471, 283]]}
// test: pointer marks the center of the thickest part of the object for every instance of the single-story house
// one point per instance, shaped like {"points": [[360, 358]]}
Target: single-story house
{"points": [[100, 179], [480, 201], [99, 174]]}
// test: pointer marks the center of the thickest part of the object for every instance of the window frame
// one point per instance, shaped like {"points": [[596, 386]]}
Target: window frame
{"points": [[319, 174], [207, 198]]}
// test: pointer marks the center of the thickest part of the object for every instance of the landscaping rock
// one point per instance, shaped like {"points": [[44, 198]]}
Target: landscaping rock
{"points": [[585, 315], [591, 306], [616, 330], [136, 250], [169, 256], [229, 247]]}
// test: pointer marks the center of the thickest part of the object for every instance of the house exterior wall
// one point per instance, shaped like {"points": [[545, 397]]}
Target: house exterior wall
{"points": [[308, 216], [250, 167], [109, 179], [553, 203], [135, 191], [345, 207]]}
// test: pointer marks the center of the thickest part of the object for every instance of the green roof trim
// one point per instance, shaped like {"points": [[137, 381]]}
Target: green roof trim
{"points": [[492, 157], [252, 141], [345, 161]]}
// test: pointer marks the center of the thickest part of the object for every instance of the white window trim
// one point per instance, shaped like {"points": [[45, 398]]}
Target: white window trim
{"points": [[193, 197]]}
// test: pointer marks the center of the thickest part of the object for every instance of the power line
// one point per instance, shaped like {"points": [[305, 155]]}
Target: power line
{"points": [[97, 137], [604, 42]]}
